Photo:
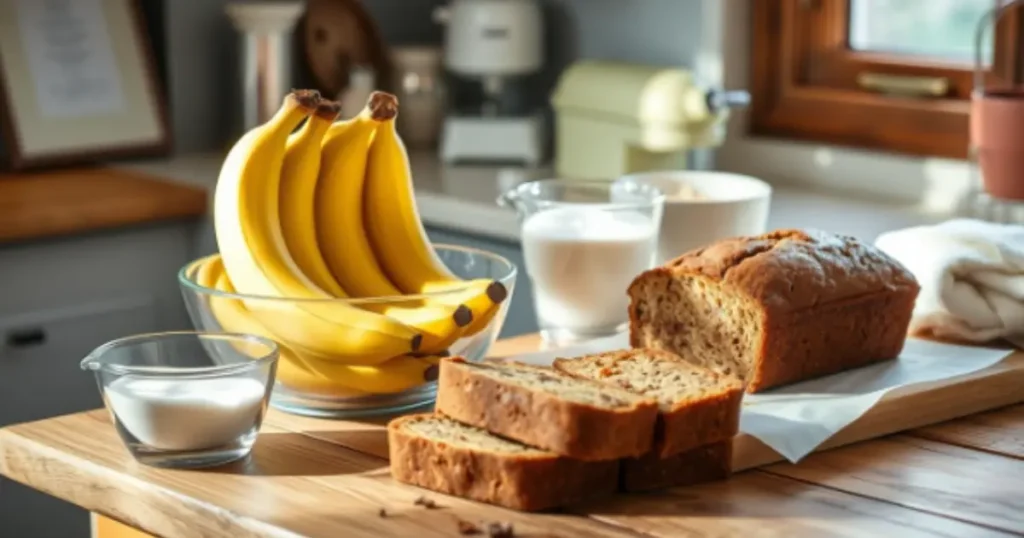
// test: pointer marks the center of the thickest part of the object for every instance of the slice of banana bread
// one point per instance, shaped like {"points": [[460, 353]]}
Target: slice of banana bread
{"points": [[776, 308], [544, 408], [697, 406], [695, 466], [442, 455]]}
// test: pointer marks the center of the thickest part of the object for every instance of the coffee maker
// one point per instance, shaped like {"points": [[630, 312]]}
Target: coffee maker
{"points": [[492, 42]]}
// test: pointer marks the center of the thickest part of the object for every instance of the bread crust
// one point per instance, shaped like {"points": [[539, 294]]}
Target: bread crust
{"points": [[695, 466], [790, 270], [527, 482], [710, 420], [541, 419], [827, 302], [689, 423]]}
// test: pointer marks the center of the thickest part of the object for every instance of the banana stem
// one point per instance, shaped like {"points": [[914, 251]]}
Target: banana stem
{"points": [[307, 99], [328, 109], [383, 106]]}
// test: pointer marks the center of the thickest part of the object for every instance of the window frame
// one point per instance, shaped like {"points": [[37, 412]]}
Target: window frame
{"points": [[804, 83]]}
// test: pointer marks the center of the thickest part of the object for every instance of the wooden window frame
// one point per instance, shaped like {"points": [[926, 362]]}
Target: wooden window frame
{"points": [[804, 83]]}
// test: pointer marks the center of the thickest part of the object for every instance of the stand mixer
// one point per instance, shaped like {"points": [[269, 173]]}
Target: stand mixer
{"points": [[492, 41]]}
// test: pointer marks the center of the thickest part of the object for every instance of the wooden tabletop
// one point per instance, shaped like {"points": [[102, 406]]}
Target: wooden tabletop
{"points": [[74, 201], [312, 477]]}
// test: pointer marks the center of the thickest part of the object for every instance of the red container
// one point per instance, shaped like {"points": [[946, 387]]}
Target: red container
{"points": [[997, 135]]}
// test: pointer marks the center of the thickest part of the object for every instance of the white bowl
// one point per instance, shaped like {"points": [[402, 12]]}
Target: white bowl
{"points": [[727, 205]]}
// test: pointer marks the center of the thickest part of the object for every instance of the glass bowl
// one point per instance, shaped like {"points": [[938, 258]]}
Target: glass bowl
{"points": [[353, 357], [186, 399]]}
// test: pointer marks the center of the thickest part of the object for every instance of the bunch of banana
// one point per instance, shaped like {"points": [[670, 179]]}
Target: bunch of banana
{"points": [[400, 243], [306, 216]]}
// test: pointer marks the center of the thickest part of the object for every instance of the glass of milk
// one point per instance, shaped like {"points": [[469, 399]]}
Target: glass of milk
{"points": [[186, 399], [583, 243]]}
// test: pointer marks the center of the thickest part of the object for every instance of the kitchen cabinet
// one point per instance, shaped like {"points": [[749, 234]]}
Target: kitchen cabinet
{"points": [[61, 299], [521, 318]]}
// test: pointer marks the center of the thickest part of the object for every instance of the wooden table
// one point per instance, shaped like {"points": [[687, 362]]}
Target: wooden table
{"points": [[311, 477]]}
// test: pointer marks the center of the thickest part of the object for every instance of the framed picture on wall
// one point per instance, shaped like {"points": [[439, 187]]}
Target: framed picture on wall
{"points": [[77, 83]]}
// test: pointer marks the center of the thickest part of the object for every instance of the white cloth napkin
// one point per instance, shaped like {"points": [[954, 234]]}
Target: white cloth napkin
{"points": [[972, 278]]}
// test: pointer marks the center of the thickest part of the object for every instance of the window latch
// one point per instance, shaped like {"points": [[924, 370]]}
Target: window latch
{"points": [[903, 85]]}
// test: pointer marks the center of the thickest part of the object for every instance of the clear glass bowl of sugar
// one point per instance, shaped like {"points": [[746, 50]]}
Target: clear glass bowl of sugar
{"points": [[186, 399]]}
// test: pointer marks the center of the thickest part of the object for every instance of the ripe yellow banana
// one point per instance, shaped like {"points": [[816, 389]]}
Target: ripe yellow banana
{"points": [[400, 242], [339, 212], [301, 371], [257, 262], [343, 239], [298, 190]]}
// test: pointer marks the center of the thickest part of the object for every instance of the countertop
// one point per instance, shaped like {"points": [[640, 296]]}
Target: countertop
{"points": [[313, 477], [64, 202], [463, 198]]}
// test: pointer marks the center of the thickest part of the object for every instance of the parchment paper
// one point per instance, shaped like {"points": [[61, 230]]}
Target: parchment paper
{"points": [[796, 419]]}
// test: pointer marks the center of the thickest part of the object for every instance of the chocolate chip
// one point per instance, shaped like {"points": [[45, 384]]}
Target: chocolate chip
{"points": [[430, 374], [382, 513], [426, 503], [497, 529], [466, 528]]}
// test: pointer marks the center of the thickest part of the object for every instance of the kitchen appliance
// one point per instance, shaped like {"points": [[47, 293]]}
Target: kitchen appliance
{"points": [[492, 41], [265, 29], [614, 119], [420, 92]]}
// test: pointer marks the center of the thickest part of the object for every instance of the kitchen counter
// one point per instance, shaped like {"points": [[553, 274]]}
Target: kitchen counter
{"points": [[74, 201], [463, 198], [313, 477]]}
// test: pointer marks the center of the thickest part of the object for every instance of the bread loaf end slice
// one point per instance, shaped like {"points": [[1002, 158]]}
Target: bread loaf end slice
{"points": [[697, 405], [544, 408], [442, 455]]}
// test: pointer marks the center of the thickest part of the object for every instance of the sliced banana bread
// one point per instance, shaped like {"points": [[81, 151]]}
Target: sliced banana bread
{"points": [[777, 308], [544, 408], [442, 455], [701, 464], [697, 406]]}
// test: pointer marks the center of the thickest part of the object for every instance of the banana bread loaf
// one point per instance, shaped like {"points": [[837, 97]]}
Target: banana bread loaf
{"points": [[697, 406], [544, 408], [442, 455], [702, 464], [777, 308]]}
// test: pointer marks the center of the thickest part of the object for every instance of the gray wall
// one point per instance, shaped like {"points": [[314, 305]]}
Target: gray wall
{"points": [[201, 43]]}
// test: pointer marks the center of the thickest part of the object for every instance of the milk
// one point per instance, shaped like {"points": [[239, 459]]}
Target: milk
{"points": [[581, 260], [186, 414]]}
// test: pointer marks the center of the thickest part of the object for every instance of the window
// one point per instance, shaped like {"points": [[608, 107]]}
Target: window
{"points": [[894, 75]]}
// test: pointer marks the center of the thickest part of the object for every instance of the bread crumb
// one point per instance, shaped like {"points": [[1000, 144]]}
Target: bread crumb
{"points": [[467, 528], [429, 504], [498, 529]]}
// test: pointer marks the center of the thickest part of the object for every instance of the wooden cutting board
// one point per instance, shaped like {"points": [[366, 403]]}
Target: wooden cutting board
{"points": [[912, 407], [899, 410]]}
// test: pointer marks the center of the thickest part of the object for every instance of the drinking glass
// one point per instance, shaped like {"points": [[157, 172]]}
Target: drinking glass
{"points": [[583, 243]]}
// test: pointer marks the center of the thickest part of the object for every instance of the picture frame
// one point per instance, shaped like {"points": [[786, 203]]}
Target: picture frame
{"points": [[78, 84]]}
